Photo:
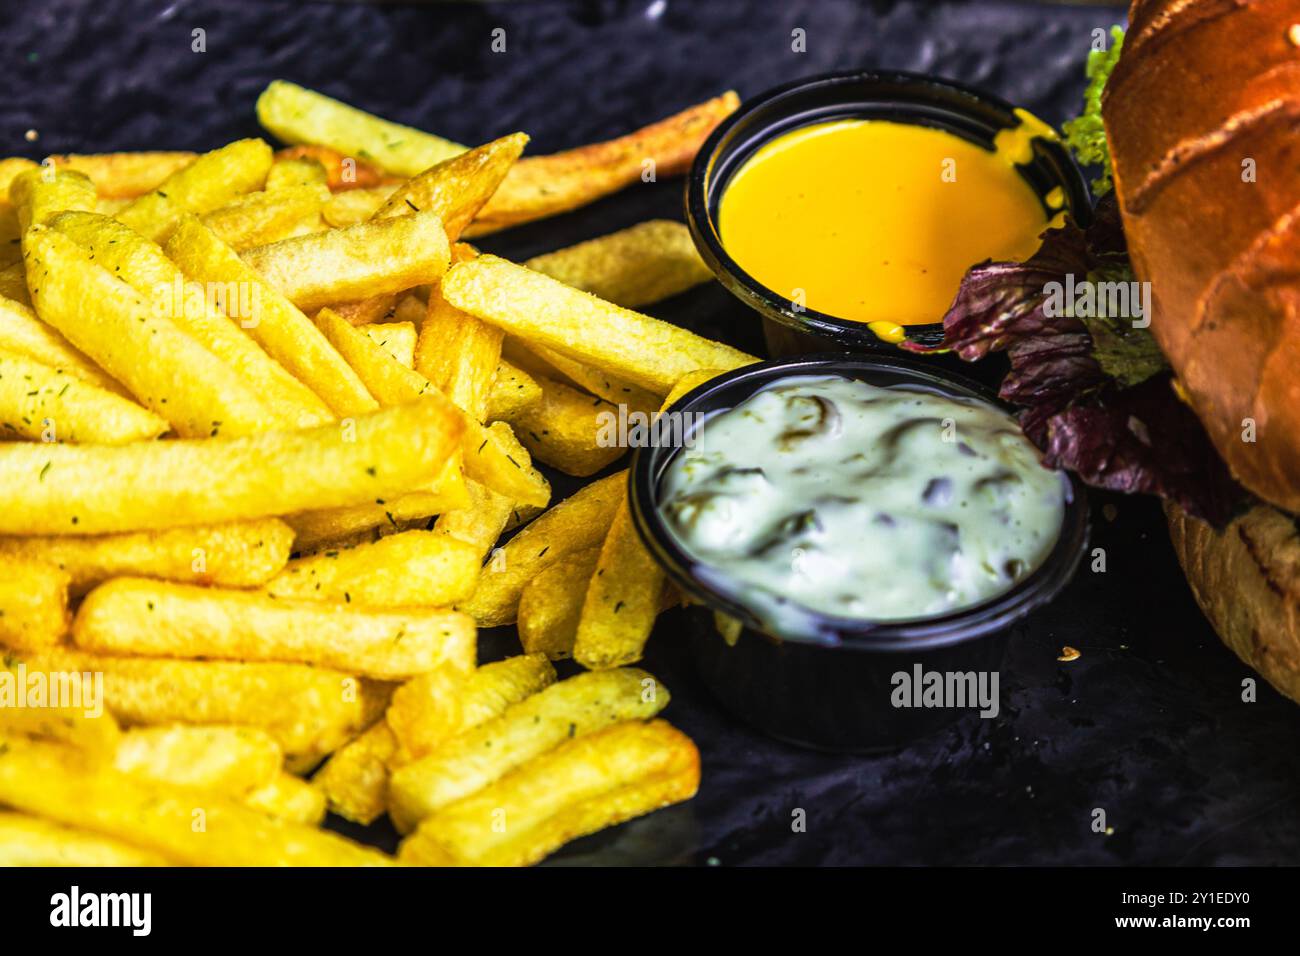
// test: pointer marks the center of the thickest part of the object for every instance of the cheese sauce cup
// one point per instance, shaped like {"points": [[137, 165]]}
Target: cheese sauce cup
{"points": [[846, 208], [941, 504]]}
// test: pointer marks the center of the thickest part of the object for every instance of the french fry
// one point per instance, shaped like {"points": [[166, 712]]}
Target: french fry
{"points": [[352, 206], [211, 181], [124, 175], [538, 360], [266, 216], [30, 841], [342, 173], [646, 351], [456, 188], [289, 172], [645, 263], [565, 430], [289, 798], [274, 322], [38, 403], [58, 784], [10, 169], [225, 759], [481, 523], [310, 711], [141, 616], [377, 308], [65, 708], [314, 529], [354, 781], [144, 266], [21, 332], [458, 353], [575, 524], [33, 603], [40, 194], [582, 786], [541, 186], [626, 592], [388, 380], [513, 390], [236, 555], [94, 489], [356, 262], [395, 338], [430, 709], [298, 115], [468, 762], [499, 461], [165, 368], [551, 604], [414, 568]]}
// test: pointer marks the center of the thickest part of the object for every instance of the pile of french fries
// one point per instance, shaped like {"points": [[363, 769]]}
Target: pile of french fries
{"points": [[265, 418]]}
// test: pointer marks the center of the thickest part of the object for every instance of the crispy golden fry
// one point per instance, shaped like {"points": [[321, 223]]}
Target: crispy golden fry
{"points": [[627, 590], [354, 780], [266, 216], [356, 262], [582, 786], [64, 708], [414, 568], [40, 403], [429, 709], [13, 284], [85, 489], [468, 762], [352, 206], [236, 555], [513, 390], [538, 360], [564, 430], [459, 354], [30, 841], [575, 524], [499, 461], [208, 183], [298, 115], [144, 266], [226, 759], [142, 616], [273, 321], [124, 175], [646, 351], [541, 186], [310, 711], [23, 333], [10, 169], [33, 603], [164, 367], [314, 529], [290, 798], [551, 604], [288, 172], [481, 523], [41, 194], [456, 188], [632, 267], [342, 173], [395, 338], [388, 380], [57, 783]]}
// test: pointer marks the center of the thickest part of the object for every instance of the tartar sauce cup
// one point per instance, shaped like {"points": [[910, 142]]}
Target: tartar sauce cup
{"points": [[900, 97], [835, 692]]}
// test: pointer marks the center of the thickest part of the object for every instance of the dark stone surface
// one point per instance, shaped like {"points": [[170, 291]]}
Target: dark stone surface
{"points": [[1148, 724]]}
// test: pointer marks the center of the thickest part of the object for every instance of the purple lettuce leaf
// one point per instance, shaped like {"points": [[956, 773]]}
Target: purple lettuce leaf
{"points": [[1095, 394]]}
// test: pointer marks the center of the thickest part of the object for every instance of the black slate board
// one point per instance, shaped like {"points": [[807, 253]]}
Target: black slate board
{"points": [[1147, 725]]}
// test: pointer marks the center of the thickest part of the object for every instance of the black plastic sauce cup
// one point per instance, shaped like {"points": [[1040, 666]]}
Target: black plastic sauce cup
{"points": [[836, 694], [901, 97]]}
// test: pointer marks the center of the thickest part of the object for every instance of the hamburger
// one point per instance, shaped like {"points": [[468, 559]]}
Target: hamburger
{"points": [[1156, 348]]}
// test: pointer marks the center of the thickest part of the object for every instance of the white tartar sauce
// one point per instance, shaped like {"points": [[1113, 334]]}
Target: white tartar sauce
{"points": [[862, 502]]}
